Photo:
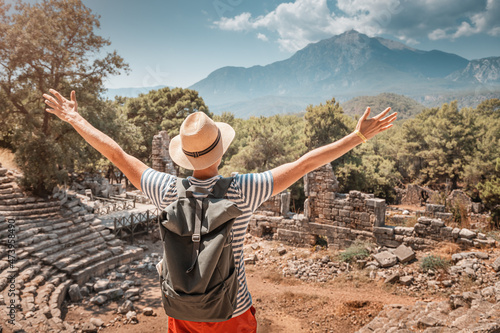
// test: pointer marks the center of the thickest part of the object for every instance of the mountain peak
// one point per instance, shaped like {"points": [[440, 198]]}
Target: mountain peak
{"points": [[347, 65]]}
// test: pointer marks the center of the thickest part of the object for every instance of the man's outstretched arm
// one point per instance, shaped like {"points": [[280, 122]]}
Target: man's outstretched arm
{"points": [[287, 174], [67, 110]]}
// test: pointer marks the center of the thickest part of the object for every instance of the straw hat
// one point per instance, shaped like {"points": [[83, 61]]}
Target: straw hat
{"points": [[201, 142]]}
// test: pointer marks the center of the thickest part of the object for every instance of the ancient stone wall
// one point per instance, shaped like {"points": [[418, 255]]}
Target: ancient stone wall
{"points": [[340, 219], [160, 155]]}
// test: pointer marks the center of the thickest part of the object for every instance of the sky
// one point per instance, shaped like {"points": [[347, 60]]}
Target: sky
{"points": [[178, 43]]}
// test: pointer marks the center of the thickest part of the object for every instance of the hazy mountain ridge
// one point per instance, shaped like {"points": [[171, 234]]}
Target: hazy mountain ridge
{"points": [[344, 66], [405, 106], [486, 70]]}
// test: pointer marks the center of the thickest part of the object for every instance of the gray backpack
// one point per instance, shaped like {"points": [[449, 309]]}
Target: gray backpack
{"points": [[199, 279]]}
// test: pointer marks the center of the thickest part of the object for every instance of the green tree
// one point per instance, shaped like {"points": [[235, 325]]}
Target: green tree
{"points": [[49, 44], [326, 123], [162, 109], [266, 142], [436, 145]]}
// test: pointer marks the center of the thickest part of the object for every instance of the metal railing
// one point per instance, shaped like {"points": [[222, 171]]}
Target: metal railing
{"points": [[136, 223], [114, 204]]}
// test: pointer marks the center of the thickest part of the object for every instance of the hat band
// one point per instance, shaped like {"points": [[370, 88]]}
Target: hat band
{"points": [[205, 151]]}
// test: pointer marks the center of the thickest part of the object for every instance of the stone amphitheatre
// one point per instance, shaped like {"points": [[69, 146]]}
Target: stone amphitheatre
{"points": [[48, 246]]}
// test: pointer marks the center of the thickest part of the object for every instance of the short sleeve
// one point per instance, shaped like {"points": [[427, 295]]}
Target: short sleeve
{"points": [[155, 185], [256, 188]]}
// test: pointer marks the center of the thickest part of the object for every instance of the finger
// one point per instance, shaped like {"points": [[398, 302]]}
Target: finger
{"points": [[390, 118], [366, 114], [386, 127], [50, 110], [50, 98], [51, 104], [383, 113], [58, 95], [73, 96]]}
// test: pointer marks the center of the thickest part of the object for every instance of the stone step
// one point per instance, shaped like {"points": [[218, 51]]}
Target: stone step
{"points": [[57, 298], [48, 243], [86, 261], [29, 273], [83, 275], [6, 191], [10, 194], [36, 239], [4, 186], [82, 246], [31, 213], [30, 206], [44, 224], [73, 237], [6, 179], [48, 251]]}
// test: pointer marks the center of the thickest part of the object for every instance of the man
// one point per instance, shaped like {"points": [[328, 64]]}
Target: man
{"points": [[199, 147]]}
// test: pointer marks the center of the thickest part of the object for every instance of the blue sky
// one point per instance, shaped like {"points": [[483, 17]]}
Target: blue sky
{"points": [[178, 43]]}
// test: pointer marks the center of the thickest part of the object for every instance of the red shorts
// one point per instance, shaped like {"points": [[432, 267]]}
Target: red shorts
{"points": [[244, 323]]}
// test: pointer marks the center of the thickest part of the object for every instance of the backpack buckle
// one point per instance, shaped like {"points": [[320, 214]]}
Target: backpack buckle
{"points": [[196, 238]]}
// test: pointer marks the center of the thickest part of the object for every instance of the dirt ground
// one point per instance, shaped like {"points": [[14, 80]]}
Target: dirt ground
{"points": [[282, 304]]}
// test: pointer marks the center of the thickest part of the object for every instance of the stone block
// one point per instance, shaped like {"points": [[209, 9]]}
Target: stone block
{"points": [[114, 293], [406, 280], [386, 259], [407, 231], [466, 233], [131, 292], [437, 223], [393, 278], [424, 220], [404, 253], [74, 293], [383, 230], [496, 265], [101, 285]]}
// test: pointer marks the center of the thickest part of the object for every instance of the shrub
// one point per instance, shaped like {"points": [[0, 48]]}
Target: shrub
{"points": [[357, 251], [434, 262]]}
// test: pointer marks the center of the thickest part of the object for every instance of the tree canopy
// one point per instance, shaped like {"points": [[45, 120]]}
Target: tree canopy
{"points": [[161, 110], [49, 44]]}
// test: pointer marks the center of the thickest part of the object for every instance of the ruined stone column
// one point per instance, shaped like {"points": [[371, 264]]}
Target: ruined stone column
{"points": [[320, 186], [160, 155]]}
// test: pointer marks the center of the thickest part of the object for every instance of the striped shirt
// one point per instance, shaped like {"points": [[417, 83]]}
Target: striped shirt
{"points": [[248, 191]]}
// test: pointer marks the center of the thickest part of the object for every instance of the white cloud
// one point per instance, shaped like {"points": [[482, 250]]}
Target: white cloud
{"points": [[262, 37], [301, 22]]}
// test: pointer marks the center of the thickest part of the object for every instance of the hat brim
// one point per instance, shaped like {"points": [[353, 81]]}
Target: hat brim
{"points": [[204, 161]]}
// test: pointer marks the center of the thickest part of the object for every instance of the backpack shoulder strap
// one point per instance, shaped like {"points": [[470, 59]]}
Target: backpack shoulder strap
{"points": [[186, 190], [182, 186], [220, 188]]}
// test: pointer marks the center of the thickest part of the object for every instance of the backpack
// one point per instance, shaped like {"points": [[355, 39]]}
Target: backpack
{"points": [[199, 279]]}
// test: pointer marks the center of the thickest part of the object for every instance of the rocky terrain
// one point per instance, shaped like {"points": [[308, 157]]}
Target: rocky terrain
{"points": [[463, 297]]}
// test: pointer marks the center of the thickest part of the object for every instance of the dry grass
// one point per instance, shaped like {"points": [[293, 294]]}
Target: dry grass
{"points": [[355, 279], [7, 159], [273, 276], [447, 249]]}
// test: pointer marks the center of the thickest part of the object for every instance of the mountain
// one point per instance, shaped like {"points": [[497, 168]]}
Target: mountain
{"points": [[486, 70], [405, 106], [344, 66]]}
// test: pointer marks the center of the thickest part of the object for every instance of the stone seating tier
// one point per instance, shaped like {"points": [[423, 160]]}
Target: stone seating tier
{"points": [[56, 246]]}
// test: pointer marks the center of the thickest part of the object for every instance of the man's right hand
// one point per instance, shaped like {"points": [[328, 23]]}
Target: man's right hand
{"points": [[67, 110], [63, 108]]}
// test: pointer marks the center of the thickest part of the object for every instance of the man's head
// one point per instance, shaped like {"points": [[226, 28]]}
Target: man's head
{"points": [[201, 142]]}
